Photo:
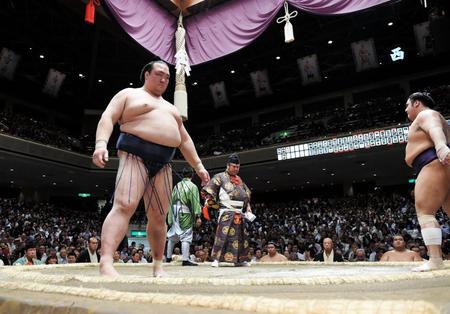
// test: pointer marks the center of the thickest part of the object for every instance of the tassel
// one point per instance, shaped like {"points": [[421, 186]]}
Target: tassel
{"points": [[90, 11], [205, 213], [288, 29]]}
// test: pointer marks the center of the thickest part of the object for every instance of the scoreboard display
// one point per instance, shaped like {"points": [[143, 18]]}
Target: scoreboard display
{"points": [[343, 144]]}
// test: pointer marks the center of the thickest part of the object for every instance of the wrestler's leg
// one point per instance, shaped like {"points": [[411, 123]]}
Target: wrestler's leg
{"points": [[129, 189], [157, 202], [446, 204], [430, 193]]}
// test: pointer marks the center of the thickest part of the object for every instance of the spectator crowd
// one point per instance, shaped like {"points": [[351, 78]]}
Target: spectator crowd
{"points": [[361, 228]]}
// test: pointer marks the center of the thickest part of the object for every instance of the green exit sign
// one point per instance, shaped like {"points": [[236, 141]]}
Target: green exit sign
{"points": [[84, 194], [138, 234], [412, 181]]}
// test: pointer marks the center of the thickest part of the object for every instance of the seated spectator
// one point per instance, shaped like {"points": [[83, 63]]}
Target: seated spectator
{"points": [[135, 258], [5, 255], [141, 254], [400, 253], [116, 257], [51, 260], [273, 255], [258, 255], [62, 255], [328, 255], [90, 255], [200, 256], [360, 255], [71, 258], [41, 253], [30, 256]]}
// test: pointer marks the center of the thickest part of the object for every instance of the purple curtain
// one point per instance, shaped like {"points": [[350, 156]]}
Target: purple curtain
{"points": [[334, 6], [148, 23], [217, 32]]}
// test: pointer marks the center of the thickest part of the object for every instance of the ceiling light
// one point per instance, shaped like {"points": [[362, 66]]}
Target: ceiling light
{"points": [[70, 180], [43, 175], [324, 169], [11, 169], [12, 182], [232, 71], [54, 183], [131, 84], [330, 42], [363, 164], [100, 81], [96, 185], [307, 182], [278, 57], [332, 174], [374, 174], [390, 23], [268, 181], [80, 75], [41, 56], [195, 83]]}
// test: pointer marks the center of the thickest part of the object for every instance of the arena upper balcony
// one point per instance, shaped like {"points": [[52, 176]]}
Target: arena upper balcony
{"points": [[375, 155]]}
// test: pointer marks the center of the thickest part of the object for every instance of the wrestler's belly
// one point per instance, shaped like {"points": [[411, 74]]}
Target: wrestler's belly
{"points": [[414, 149], [402, 258], [160, 131]]}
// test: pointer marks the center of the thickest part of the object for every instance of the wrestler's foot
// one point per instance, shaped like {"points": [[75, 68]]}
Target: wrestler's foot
{"points": [[429, 266], [215, 263], [158, 272], [108, 270]]}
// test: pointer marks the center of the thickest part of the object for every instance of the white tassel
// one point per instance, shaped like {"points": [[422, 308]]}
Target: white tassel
{"points": [[288, 29], [288, 33]]}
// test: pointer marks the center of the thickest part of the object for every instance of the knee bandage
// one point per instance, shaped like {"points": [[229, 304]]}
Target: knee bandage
{"points": [[431, 235], [427, 220]]}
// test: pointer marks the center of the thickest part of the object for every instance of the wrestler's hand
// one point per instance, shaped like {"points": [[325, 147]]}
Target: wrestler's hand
{"points": [[100, 157], [443, 153], [204, 176]]}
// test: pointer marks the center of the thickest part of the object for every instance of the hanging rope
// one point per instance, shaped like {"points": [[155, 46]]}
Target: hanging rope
{"points": [[182, 67], [288, 30], [181, 57]]}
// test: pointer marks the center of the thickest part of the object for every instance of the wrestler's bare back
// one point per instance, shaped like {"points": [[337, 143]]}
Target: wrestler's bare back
{"points": [[418, 140], [150, 118]]}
